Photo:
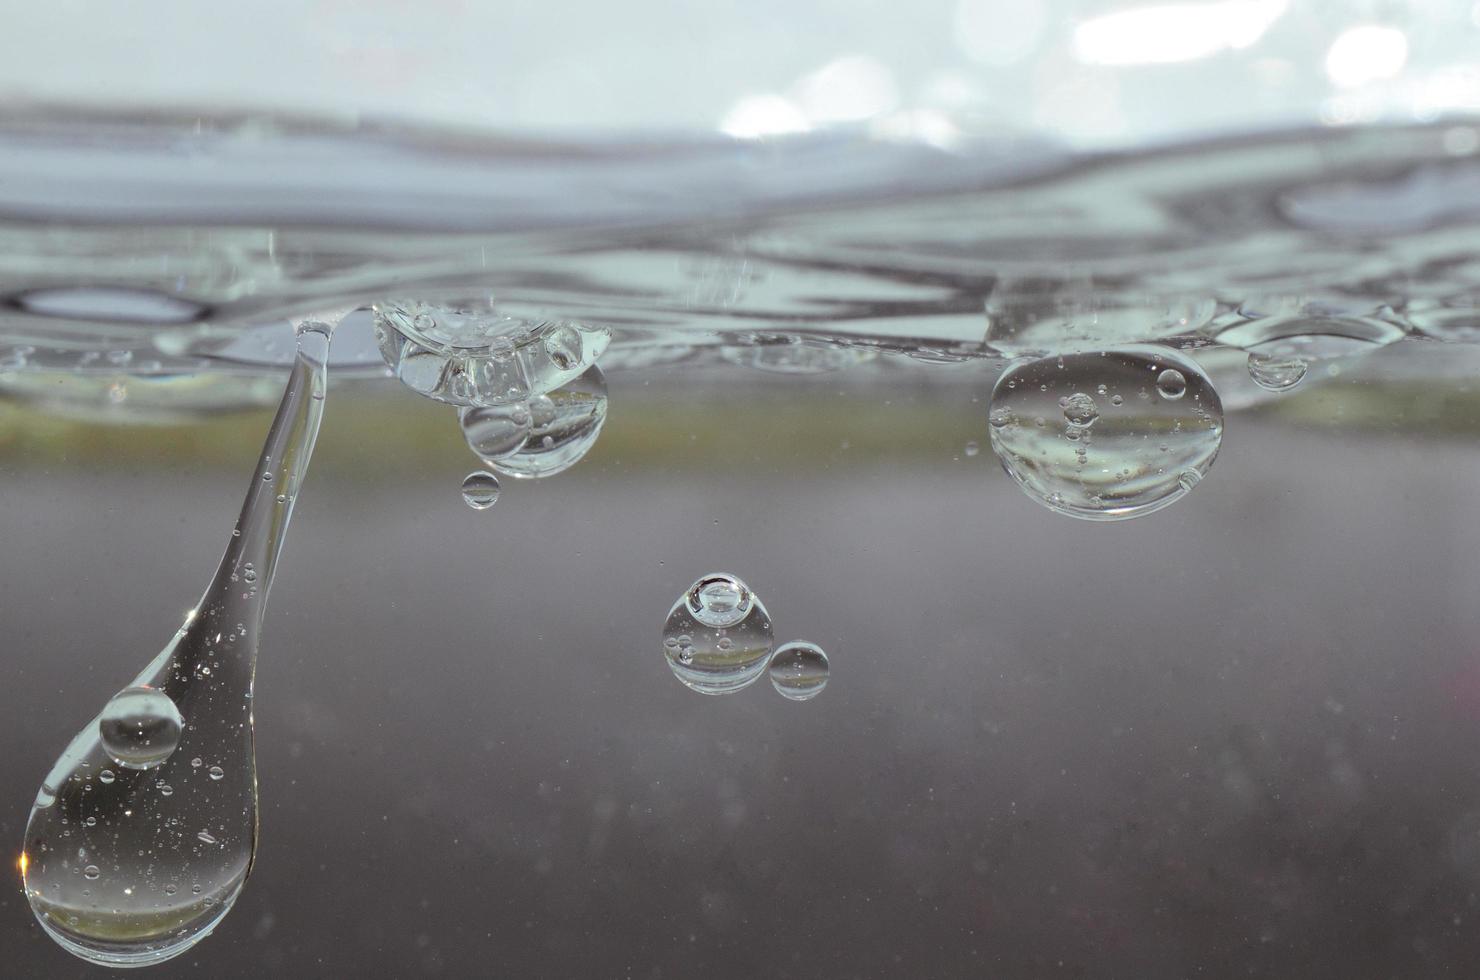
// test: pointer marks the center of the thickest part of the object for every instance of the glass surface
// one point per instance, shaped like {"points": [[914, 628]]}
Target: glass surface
{"points": [[1094, 383]]}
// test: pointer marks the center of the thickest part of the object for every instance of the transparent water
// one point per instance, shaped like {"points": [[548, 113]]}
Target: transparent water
{"points": [[1231, 725]]}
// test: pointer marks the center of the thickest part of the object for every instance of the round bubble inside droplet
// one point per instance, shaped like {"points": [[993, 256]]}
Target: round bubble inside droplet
{"points": [[1080, 410], [798, 670], [140, 727], [728, 648], [496, 431], [1171, 384]]}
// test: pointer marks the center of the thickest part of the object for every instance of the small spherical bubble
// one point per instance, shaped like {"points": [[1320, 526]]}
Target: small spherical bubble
{"points": [[106, 776], [166, 790], [480, 490], [972, 448], [140, 727], [91, 872], [798, 670], [216, 772], [1171, 384]]}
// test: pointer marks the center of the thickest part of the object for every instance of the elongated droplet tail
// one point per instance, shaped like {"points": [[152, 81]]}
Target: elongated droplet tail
{"points": [[143, 834]]}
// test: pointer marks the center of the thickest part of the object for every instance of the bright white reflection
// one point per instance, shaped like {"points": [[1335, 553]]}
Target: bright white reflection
{"points": [[996, 33], [846, 89], [764, 115], [1174, 32], [1366, 53], [929, 126]]}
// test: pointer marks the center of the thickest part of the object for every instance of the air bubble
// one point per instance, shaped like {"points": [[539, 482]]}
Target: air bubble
{"points": [[480, 490], [140, 727], [798, 670]]}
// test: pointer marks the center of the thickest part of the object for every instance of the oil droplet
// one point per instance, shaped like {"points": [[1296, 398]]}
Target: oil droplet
{"points": [[1116, 470], [1171, 384], [480, 490], [140, 727], [118, 921], [723, 635], [1276, 372], [563, 431], [798, 670]]}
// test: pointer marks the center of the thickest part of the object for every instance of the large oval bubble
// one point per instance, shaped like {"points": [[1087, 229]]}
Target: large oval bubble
{"points": [[1106, 436]]}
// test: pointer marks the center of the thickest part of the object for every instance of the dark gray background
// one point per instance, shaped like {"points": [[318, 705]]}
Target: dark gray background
{"points": [[1234, 738]]}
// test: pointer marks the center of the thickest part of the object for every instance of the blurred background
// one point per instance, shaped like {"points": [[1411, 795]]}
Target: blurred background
{"points": [[1087, 71]]}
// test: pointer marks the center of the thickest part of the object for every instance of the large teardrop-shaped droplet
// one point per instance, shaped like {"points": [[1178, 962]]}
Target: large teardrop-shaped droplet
{"points": [[144, 832]]}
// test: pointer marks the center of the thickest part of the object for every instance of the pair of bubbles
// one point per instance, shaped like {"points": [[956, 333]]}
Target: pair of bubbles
{"points": [[718, 639]]}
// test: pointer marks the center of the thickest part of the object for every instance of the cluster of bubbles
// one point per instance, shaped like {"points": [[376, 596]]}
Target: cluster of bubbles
{"points": [[466, 352], [718, 639]]}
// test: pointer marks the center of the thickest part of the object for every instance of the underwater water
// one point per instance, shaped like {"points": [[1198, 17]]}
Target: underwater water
{"points": [[1127, 496]]}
